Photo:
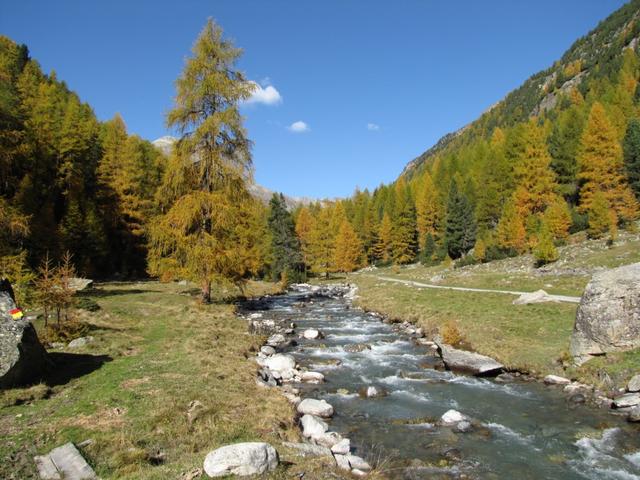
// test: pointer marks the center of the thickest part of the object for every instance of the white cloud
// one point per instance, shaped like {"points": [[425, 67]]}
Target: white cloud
{"points": [[373, 127], [267, 95], [298, 127]]}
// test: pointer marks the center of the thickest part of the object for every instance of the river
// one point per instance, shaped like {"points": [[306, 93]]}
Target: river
{"points": [[523, 430]]}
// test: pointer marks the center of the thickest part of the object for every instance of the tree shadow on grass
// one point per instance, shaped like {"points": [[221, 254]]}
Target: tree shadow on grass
{"points": [[67, 366]]}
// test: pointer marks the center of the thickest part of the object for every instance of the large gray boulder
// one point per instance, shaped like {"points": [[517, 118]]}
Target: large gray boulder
{"points": [[608, 318], [242, 459], [22, 356], [469, 362]]}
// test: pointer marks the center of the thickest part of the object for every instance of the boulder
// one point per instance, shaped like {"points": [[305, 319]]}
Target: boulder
{"points": [[352, 462], [312, 377], [463, 427], [6, 305], [452, 417], [469, 362], [608, 318], [356, 347], [319, 408], [634, 384], [267, 350], [308, 449], [343, 447], [80, 342], [80, 284], [312, 426], [556, 380], [276, 340], [243, 459], [280, 363], [634, 415], [627, 400], [539, 296], [64, 462], [372, 392], [22, 357], [312, 334], [328, 439]]}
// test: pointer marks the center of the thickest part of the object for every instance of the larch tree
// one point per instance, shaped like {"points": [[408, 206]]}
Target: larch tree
{"points": [[321, 243], [382, 249], [510, 232], [348, 251], [206, 233], [427, 209], [557, 218], [305, 224], [601, 167], [601, 216], [535, 181], [404, 241]]}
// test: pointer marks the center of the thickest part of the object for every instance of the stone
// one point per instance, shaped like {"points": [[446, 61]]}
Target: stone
{"points": [[64, 462], [342, 462], [634, 415], [358, 463], [313, 426], [268, 350], [22, 357], [80, 342], [6, 305], [312, 377], [463, 427], [372, 392], [308, 449], [80, 284], [608, 318], [577, 398], [470, 362], [312, 334], [276, 339], [556, 380], [280, 362], [627, 400], [328, 439], [539, 296], [451, 417], [343, 447], [242, 459], [356, 347], [505, 378], [319, 408], [634, 384]]}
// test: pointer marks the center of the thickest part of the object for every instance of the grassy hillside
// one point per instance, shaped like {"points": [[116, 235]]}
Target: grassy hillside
{"points": [[529, 337], [155, 351]]}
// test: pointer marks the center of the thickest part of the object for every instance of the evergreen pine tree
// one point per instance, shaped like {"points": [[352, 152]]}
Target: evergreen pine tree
{"points": [[460, 224], [631, 148], [285, 254]]}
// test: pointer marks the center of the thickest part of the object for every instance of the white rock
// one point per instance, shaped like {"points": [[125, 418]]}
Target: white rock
{"points": [[312, 334], [253, 316], [628, 400], [342, 462], [312, 406], [539, 296], [328, 439], [556, 380], [634, 384], [312, 377], [451, 417], [80, 342], [312, 426], [243, 459], [358, 463], [280, 363], [358, 473], [343, 447], [276, 339], [268, 350]]}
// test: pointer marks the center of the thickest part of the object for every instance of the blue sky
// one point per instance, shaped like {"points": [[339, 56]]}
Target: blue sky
{"points": [[375, 82]]}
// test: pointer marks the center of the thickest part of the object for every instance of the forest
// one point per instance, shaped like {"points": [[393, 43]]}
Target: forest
{"points": [[558, 156]]}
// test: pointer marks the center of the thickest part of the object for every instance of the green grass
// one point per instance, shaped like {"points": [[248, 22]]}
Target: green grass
{"points": [[163, 351], [526, 337]]}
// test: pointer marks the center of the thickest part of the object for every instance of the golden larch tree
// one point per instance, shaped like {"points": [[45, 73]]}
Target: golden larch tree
{"points": [[348, 251]]}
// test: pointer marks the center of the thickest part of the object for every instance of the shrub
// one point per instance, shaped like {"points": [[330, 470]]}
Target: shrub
{"points": [[451, 334], [466, 261]]}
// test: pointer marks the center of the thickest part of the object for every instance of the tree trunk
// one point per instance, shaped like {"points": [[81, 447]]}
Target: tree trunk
{"points": [[205, 293]]}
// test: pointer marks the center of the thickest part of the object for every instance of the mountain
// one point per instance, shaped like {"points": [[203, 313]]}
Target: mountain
{"points": [[165, 144], [593, 57]]}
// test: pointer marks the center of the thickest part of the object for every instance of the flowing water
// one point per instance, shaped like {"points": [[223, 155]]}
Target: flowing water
{"points": [[523, 430]]}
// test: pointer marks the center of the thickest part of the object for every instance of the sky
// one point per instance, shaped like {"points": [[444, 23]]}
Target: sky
{"points": [[349, 91]]}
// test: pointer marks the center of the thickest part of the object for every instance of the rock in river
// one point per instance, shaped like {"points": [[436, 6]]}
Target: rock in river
{"points": [[556, 380], [627, 400], [243, 459], [312, 334], [470, 362], [608, 318], [280, 363], [312, 406], [634, 384], [356, 347], [452, 417]]}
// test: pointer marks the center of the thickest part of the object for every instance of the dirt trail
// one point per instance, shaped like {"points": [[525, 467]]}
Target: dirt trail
{"points": [[411, 283]]}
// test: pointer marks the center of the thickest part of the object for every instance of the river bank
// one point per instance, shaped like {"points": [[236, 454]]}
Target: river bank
{"points": [[389, 399]]}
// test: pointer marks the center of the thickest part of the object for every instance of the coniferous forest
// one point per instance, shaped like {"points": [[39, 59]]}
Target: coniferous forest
{"points": [[559, 155]]}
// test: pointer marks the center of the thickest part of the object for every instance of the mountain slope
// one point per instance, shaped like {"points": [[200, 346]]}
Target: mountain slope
{"points": [[596, 55]]}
